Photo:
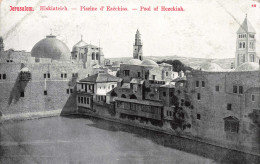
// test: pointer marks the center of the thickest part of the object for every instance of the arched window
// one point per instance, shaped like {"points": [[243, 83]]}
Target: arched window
{"points": [[240, 45], [93, 55], [133, 96], [123, 96], [244, 45], [97, 56]]}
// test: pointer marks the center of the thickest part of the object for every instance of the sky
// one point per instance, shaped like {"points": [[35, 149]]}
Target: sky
{"points": [[205, 29]]}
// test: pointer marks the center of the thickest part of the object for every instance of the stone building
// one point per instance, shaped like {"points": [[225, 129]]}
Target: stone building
{"points": [[94, 89], [43, 80]]}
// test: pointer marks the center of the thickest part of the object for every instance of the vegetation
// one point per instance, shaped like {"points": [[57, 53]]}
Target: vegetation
{"points": [[176, 64]]}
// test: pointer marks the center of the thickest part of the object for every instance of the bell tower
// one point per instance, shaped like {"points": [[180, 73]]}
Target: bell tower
{"points": [[245, 45], [138, 47]]}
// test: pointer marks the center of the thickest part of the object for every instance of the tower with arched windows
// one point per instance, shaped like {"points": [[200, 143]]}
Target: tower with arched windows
{"points": [[138, 47], [245, 45]]}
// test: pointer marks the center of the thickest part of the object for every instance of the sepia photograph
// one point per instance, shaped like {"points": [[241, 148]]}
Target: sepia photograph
{"points": [[129, 82]]}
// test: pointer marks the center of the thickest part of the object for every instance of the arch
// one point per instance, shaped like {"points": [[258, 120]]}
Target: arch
{"points": [[97, 56], [93, 55], [123, 96], [133, 96]]}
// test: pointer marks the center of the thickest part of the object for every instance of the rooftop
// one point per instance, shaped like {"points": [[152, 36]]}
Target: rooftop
{"points": [[100, 78]]}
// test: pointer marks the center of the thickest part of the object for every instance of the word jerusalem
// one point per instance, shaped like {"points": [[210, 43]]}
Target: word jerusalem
{"points": [[24, 8]]}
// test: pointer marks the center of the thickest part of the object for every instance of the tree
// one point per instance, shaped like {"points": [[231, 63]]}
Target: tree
{"points": [[176, 64]]}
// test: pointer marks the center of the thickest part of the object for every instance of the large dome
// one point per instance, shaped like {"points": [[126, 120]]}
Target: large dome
{"points": [[50, 47], [134, 62], [248, 66], [210, 67], [149, 62]]}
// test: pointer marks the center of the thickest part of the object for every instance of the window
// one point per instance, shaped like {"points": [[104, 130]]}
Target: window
{"points": [[82, 86], [21, 94], [198, 116], [244, 45], [240, 89], [217, 88], [229, 106], [153, 77], [113, 86], [46, 75], [231, 124], [197, 83], [139, 74], [97, 56], [45, 92], [93, 55], [164, 94], [126, 72], [61, 75], [234, 89], [146, 77], [71, 90], [68, 91], [253, 97], [78, 99], [203, 83], [4, 76], [171, 94], [240, 45], [65, 75], [0, 76], [81, 100], [87, 100], [198, 96], [167, 73]]}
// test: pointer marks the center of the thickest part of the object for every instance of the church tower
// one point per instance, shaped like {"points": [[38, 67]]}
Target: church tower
{"points": [[245, 45], [138, 47], [1, 44]]}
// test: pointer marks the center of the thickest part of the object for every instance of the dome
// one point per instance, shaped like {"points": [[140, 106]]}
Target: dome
{"points": [[134, 62], [248, 66], [149, 62], [50, 47], [210, 67]]}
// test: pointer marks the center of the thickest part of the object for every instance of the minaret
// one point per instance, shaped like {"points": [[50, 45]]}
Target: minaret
{"points": [[1, 44], [138, 47], [245, 45]]}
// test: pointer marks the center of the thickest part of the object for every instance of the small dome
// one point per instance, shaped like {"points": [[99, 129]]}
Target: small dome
{"points": [[248, 66], [50, 47], [210, 67], [149, 62], [134, 62]]}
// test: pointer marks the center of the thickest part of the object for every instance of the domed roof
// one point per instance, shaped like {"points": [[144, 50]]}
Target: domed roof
{"points": [[248, 66], [50, 47], [134, 62], [149, 62], [210, 67]]}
